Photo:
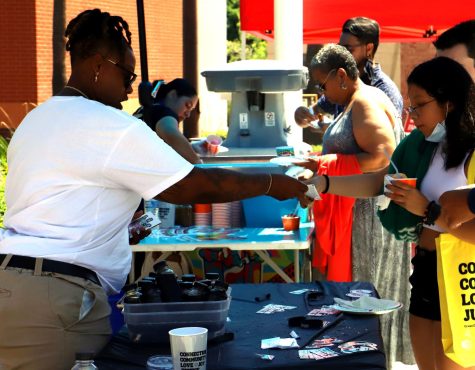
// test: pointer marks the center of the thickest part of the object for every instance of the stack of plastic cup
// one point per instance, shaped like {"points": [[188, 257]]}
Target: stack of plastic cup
{"points": [[236, 214], [202, 214], [221, 214]]}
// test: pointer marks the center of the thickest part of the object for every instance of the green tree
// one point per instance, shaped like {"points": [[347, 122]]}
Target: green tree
{"points": [[255, 47]]}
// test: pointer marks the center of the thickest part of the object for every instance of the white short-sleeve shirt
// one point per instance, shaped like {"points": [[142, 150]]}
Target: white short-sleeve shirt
{"points": [[77, 172]]}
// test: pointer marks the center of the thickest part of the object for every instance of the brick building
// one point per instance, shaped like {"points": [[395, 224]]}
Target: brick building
{"points": [[26, 36]]}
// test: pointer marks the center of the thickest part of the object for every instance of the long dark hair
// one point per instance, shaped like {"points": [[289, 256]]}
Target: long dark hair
{"points": [[447, 81], [180, 85], [94, 31]]}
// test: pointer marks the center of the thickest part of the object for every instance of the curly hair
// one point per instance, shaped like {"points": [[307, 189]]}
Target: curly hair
{"points": [[333, 56], [93, 32], [447, 81]]}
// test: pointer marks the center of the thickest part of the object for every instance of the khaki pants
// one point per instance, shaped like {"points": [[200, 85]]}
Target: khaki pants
{"points": [[45, 318]]}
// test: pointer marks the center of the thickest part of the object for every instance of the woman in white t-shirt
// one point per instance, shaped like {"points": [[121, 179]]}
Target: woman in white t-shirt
{"points": [[78, 167]]}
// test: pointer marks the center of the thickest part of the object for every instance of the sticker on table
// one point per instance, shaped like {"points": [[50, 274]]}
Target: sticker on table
{"points": [[294, 334], [278, 342], [353, 347], [264, 356], [317, 354], [323, 311], [273, 308], [300, 291], [324, 342]]}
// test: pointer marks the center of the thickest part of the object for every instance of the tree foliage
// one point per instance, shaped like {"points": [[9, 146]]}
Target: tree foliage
{"points": [[255, 47]]}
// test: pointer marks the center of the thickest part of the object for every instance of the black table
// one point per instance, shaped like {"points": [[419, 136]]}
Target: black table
{"points": [[249, 328]]}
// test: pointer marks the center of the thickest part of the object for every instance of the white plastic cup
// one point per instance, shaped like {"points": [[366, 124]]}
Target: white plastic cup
{"points": [[188, 346]]}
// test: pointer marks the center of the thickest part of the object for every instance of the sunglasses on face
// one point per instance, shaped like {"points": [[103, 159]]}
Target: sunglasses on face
{"points": [[130, 77], [320, 88]]}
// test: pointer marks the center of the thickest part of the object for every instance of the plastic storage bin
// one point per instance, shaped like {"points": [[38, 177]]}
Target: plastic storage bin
{"points": [[151, 322], [265, 211]]}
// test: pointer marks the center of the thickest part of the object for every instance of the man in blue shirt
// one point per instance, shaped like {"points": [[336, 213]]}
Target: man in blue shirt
{"points": [[360, 36]]}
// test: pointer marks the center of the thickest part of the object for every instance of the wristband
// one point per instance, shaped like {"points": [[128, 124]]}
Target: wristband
{"points": [[432, 213], [327, 186]]}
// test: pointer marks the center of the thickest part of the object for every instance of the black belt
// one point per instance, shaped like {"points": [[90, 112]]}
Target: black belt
{"points": [[58, 267]]}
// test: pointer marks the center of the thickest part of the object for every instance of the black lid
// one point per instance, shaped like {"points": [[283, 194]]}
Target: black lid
{"points": [[160, 265], [146, 283], [84, 356], [188, 277], [212, 275]]}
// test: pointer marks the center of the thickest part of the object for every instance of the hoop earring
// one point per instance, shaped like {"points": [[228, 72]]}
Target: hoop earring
{"points": [[95, 77]]}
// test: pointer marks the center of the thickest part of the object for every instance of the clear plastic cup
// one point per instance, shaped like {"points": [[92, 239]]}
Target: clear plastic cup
{"points": [[213, 142], [160, 363]]}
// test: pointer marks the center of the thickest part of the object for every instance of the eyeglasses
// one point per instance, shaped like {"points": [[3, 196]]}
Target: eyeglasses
{"points": [[320, 88], [413, 109], [130, 77], [350, 48]]}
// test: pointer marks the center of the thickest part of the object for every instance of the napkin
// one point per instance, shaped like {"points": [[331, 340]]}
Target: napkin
{"points": [[368, 303]]}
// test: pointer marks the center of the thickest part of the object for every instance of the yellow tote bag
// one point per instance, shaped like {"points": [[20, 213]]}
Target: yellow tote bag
{"points": [[456, 279]]}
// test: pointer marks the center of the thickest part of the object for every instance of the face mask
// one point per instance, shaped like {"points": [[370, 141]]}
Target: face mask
{"points": [[438, 134]]}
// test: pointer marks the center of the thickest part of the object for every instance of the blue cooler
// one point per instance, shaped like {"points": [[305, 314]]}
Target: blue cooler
{"points": [[265, 211]]}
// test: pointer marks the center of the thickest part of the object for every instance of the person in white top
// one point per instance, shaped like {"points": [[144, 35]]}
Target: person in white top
{"points": [[438, 152], [78, 167]]}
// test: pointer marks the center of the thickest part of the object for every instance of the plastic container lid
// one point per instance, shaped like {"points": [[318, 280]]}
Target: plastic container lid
{"points": [[84, 356], [202, 208], [160, 363]]}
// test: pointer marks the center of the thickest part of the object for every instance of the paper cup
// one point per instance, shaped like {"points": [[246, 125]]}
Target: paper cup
{"points": [[390, 178], [291, 222], [213, 142], [411, 181], [188, 347]]}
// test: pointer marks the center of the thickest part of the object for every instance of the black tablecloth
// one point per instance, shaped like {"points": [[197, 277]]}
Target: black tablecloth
{"points": [[249, 328]]}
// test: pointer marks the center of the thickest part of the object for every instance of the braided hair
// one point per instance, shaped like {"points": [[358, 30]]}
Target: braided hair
{"points": [[93, 32]]}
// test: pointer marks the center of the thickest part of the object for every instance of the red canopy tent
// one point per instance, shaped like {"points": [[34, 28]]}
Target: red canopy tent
{"points": [[400, 20]]}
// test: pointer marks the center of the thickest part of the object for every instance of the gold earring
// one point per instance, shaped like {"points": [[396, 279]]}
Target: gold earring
{"points": [[95, 77]]}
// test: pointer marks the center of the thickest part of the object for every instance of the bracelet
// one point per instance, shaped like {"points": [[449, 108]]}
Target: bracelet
{"points": [[432, 213], [270, 184], [327, 186]]}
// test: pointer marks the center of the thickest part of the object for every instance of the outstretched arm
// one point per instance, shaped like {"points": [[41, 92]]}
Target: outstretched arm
{"points": [[216, 185]]}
